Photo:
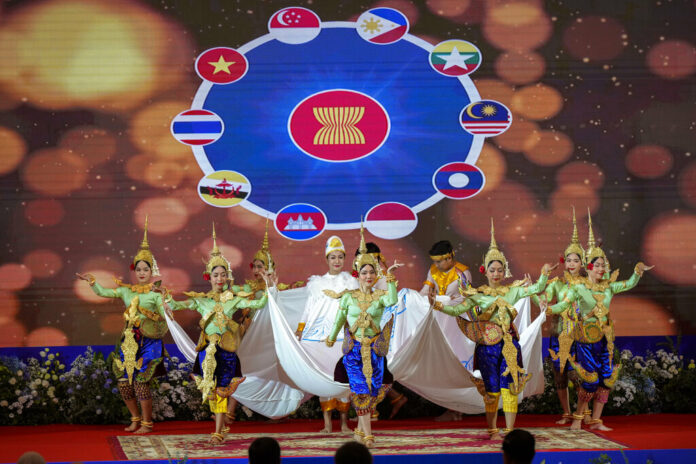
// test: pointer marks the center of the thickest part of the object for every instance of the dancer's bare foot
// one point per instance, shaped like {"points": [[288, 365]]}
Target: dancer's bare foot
{"points": [[397, 405], [145, 427], [345, 428], [449, 415], [576, 425], [566, 418], [597, 424], [133, 426], [216, 439], [326, 429], [495, 436]]}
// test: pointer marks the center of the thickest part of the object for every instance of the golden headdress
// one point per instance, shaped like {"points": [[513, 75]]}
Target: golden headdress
{"points": [[575, 246], [216, 257], [364, 258], [334, 243], [494, 254], [264, 254], [144, 254], [593, 251]]}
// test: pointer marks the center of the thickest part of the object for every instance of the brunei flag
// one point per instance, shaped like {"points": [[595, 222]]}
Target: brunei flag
{"points": [[455, 58]]}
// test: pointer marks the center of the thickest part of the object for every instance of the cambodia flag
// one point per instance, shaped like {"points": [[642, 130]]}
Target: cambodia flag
{"points": [[294, 25], [382, 25], [197, 127], [459, 180], [486, 117], [300, 221], [391, 220]]}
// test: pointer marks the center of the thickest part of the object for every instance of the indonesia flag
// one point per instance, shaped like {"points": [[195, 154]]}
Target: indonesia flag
{"points": [[458, 180], [197, 127], [486, 117], [382, 25], [294, 25], [391, 220]]}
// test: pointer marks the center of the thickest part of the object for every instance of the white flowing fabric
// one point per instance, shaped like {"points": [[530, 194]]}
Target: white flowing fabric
{"points": [[264, 389]]}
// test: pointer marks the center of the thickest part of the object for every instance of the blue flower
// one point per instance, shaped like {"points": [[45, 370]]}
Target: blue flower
{"points": [[114, 390], [94, 376], [78, 386], [70, 391]]}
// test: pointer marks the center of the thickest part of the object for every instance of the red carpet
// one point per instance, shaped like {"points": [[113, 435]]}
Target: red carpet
{"points": [[82, 443]]}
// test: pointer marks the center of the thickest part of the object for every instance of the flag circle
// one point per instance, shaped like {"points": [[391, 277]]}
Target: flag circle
{"points": [[459, 180], [391, 220], [221, 65], [382, 26], [224, 189], [294, 25], [455, 58], [486, 117], [197, 127], [300, 221]]}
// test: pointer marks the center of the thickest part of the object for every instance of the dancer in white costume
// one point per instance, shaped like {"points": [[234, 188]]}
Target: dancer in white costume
{"points": [[317, 321]]}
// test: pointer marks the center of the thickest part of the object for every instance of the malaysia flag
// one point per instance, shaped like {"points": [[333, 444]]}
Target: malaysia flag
{"points": [[459, 180], [197, 127], [382, 25], [300, 221], [486, 117], [391, 220], [294, 25]]}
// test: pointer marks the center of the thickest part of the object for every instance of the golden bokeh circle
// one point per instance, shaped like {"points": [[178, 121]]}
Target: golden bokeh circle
{"points": [[44, 212], [9, 306], [54, 172], [493, 164], [448, 8], [649, 161], [668, 244], [516, 26], [494, 89], [687, 184], [43, 263], [94, 144], [84, 291], [653, 320], [595, 38], [12, 150], [167, 215], [520, 67], [581, 196], [553, 148], [536, 102], [522, 135], [150, 130], [581, 172], [14, 276], [12, 334], [46, 336], [672, 59]]}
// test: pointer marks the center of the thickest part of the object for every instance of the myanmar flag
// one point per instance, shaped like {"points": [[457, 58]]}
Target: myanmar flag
{"points": [[455, 58]]}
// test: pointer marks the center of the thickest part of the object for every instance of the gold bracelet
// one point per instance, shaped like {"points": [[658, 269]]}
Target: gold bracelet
{"points": [[638, 270], [438, 306], [92, 280], [330, 343], [391, 278]]}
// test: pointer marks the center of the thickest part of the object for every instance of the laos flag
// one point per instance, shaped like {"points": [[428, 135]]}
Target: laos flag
{"points": [[458, 180]]}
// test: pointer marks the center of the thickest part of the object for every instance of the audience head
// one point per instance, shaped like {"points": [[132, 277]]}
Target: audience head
{"points": [[518, 447], [353, 452], [31, 457], [264, 450]]}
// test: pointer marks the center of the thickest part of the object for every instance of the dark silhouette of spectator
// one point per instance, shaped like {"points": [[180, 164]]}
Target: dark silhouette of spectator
{"points": [[264, 450], [518, 447], [31, 457], [353, 452]]}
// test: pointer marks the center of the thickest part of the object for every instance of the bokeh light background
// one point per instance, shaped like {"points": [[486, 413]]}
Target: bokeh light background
{"points": [[603, 98]]}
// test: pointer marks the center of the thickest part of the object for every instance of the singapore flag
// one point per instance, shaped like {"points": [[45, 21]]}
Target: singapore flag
{"points": [[294, 25]]}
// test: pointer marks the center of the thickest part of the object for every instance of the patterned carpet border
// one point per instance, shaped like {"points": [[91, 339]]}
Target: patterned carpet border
{"points": [[436, 441]]}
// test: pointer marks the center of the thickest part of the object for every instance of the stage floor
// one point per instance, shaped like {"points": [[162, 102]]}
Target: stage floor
{"points": [[400, 438]]}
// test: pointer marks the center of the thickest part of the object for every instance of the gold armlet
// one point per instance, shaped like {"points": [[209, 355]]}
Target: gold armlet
{"points": [[330, 343], [391, 278], [438, 306]]}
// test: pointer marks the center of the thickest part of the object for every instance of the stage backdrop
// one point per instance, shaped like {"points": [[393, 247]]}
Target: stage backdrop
{"points": [[424, 118]]}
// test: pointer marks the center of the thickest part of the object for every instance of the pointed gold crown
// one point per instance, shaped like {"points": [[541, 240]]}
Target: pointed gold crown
{"points": [[593, 251], [144, 253], [575, 246], [364, 258], [264, 254], [216, 257], [494, 254]]}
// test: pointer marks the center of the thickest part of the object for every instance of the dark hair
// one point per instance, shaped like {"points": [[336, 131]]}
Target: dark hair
{"points": [[142, 261], [518, 446], [494, 261], [264, 450], [367, 264], [353, 452], [211, 271], [441, 248], [596, 258], [371, 247]]}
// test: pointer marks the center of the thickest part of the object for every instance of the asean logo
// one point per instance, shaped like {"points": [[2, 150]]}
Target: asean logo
{"points": [[339, 125]]}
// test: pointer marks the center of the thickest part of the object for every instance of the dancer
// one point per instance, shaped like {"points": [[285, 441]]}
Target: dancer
{"points": [[594, 331], [396, 398], [497, 354], [561, 346], [263, 264], [217, 369], [364, 344], [319, 314], [140, 351], [444, 278]]}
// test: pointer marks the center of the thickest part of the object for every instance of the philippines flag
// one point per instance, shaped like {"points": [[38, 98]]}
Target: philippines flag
{"points": [[197, 127], [391, 220], [459, 180], [300, 221], [382, 25], [294, 25], [486, 117]]}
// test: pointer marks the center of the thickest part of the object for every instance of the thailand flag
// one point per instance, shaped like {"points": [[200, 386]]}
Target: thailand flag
{"points": [[382, 25], [486, 117], [294, 25], [197, 127], [391, 220], [300, 221], [459, 180]]}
